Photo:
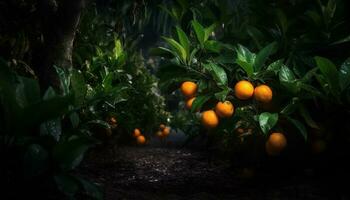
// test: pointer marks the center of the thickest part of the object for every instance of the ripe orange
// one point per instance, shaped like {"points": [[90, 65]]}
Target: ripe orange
{"points": [[113, 120], [244, 90], [240, 130], [136, 133], [263, 93], [141, 139], [275, 144], [161, 126], [189, 102], [189, 89], [224, 109], [210, 119], [160, 134], [166, 131]]}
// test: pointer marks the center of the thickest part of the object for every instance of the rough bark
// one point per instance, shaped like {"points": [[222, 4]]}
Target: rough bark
{"points": [[60, 21]]}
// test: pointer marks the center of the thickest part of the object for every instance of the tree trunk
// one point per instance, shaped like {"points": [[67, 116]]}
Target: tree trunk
{"points": [[59, 20]]}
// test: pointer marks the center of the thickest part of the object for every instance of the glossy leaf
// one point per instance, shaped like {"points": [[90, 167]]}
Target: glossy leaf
{"points": [[219, 73], [330, 73], [200, 32], [184, 41], [264, 54], [180, 51], [299, 126], [267, 121], [199, 102], [344, 74]]}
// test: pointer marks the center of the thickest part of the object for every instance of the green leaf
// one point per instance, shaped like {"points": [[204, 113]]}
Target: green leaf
{"points": [[267, 121], [245, 59], [180, 51], [344, 40], [344, 74], [330, 72], [162, 52], [75, 120], [79, 87], [199, 101], [290, 107], [184, 41], [288, 80], [91, 189], [52, 128], [248, 68], [221, 96], [35, 114], [299, 126], [263, 55], [275, 66], [218, 73], [200, 32], [307, 117], [213, 46], [208, 31], [69, 154], [256, 35], [286, 75]]}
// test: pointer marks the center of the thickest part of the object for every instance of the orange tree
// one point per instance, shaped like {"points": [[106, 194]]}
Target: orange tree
{"points": [[214, 58], [246, 90]]}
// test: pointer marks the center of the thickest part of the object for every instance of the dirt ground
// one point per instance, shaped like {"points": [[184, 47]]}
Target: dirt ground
{"points": [[168, 173]]}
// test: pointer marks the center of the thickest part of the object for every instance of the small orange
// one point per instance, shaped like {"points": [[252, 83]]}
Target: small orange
{"points": [[160, 134], [240, 130], [210, 119], [113, 120], [166, 131], [141, 139], [263, 93], [224, 109], [136, 133], [189, 102], [188, 89], [161, 126], [244, 90], [275, 144]]}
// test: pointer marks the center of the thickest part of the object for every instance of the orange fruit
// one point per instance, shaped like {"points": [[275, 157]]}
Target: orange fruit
{"points": [[113, 120], [275, 144], [244, 90], [161, 126], [240, 130], [189, 102], [141, 139], [136, 133], [160, 134], [188, 89], [263, 93], [166, 131], [224, 109], [210, 119]]}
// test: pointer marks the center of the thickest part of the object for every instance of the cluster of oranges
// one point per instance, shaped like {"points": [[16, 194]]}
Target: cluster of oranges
{"points": [[163, 131], [244, 90], [140, 139]]}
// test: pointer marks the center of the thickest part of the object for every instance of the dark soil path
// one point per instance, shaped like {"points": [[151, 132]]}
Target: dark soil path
{"points": [[161, 173]]}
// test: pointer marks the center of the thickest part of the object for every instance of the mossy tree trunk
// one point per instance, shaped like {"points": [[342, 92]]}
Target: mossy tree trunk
{"points": [[59, 21]]}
